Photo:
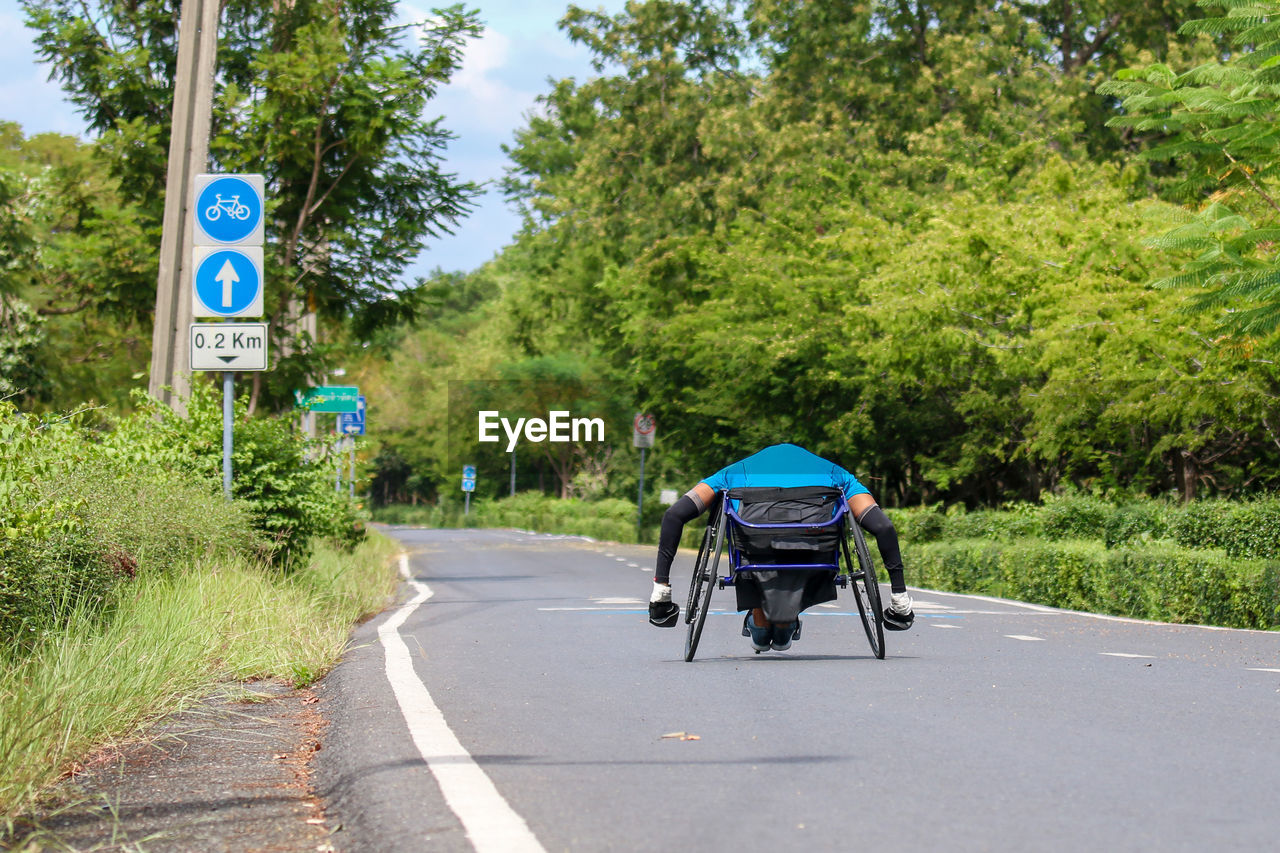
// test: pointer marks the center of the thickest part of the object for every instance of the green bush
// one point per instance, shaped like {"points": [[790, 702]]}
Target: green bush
{"points": [[1241, 528], [611, 519], [1137, 521], [1161, 580], [77, 518], [290, 498], [1073, 516]]}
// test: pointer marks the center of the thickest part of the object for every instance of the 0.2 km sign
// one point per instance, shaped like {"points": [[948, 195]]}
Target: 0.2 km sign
{"points": [[229, 346]]}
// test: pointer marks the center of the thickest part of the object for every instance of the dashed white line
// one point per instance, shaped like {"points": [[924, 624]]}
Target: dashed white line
{"points": [[491, 824], [1124, 655], [1025, 638], [1261, 669]]}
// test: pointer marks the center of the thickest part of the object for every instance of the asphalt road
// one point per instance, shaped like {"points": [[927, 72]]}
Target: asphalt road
{"points": [[991, 725]]}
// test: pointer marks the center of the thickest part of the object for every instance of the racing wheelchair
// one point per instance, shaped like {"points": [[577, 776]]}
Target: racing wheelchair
{"points": [[805, 528]]}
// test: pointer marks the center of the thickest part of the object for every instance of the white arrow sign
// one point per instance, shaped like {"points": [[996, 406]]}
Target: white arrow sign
{"points": [[226, 282], [226, 277]]}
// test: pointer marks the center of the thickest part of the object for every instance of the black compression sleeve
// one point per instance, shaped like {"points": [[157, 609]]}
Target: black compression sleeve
{"points": [[673, 521], [875, 522]]}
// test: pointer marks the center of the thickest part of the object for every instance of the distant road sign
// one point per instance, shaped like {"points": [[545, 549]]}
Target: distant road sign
{"points": [[642, 430], [229, 346], [468, 472], [227, 282], [329, 398], [468, 485], [229, 210], [352, 423]]}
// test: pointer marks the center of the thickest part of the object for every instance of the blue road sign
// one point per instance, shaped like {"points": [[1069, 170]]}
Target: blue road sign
{"points": [[468, 485], [468, 472], [352, 423], [228, 209], [228, 282]]}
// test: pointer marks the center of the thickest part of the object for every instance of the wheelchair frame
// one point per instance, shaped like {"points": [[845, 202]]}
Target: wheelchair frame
{"points": [[860, 576]]}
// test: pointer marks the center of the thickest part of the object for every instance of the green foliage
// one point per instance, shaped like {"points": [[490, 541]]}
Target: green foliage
{"points": [[328, 98], [1247, 529], [285, 484], [77, 518], [1161, 581], [894, 234], [611, 519], [170, 640], [1216, 122]]}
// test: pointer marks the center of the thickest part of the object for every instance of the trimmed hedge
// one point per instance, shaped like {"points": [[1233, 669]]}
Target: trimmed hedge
{"points": [[611, 519], [1162, 580], [1249, 528]]}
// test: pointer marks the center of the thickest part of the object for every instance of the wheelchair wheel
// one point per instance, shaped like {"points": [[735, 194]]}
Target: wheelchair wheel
{"points": [[702, 585], [866, 589], [700, 574]]}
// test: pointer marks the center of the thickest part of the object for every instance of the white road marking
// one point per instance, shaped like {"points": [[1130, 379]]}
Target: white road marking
{"points": [[618, 601], [943, 625], [491, 824], [1260, 669], [919, 604], [633, 565], [1124, 655], [1024, 638]]}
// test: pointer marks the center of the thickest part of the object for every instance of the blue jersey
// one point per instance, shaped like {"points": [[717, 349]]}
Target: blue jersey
{"points": [[786, 465]]}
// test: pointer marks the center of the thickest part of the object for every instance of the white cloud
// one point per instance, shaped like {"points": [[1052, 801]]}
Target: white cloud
{"points": [[477, 99], [27, 96]]}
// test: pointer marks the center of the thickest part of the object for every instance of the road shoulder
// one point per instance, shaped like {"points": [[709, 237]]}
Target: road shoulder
{"points": [[232, 773]]}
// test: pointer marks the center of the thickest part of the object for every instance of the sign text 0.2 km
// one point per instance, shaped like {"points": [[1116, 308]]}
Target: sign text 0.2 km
{"points": [[228, 346]]}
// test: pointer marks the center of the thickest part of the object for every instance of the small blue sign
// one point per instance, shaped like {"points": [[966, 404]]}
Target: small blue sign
{"points": [[228, 283], [352, 423], [229, 208], [468, 485], [468, 472]]}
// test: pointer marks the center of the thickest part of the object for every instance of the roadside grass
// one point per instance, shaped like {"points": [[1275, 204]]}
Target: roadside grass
{"points": [[165, 641]]}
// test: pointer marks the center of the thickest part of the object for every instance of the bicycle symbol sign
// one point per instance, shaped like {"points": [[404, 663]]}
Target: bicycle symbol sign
{"points": [[228, 210]]}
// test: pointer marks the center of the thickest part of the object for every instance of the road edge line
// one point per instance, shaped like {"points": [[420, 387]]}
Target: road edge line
{"points": [[492, 826]]}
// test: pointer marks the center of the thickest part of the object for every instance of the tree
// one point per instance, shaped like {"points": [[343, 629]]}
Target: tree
{"points": [[327, 98], [73, 253], [1217, 124]]}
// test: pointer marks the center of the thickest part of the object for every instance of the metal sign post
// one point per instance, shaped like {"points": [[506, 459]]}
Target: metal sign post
{"points": [[228, 283], [642, 429], [228, 424], [468, 486]]}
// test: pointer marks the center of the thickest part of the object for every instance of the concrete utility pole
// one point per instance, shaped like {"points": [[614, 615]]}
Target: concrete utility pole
{"points": [[188, 157]]}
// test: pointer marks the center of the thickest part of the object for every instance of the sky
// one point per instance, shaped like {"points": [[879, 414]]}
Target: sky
{"points": [[502, 74]]}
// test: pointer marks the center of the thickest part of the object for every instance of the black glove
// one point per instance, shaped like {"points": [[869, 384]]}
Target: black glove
{"points": [[663, 614], [898, 621]]}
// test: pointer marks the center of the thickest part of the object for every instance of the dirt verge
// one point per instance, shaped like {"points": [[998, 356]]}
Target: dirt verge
{"points": [[231, 774]]}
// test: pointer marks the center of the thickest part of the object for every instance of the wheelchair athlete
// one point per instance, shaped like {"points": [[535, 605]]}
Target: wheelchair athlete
{"points": [[781, 465]]}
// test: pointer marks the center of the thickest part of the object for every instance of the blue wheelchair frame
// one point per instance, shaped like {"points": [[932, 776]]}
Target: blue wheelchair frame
{"points": [[726, 524]]}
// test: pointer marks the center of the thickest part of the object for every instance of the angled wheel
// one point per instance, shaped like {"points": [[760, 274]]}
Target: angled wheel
{"points": [[866, 588], [703, 583], [699, 575]]}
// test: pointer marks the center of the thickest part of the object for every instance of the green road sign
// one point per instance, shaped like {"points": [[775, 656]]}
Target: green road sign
{"points": [[329, 398]]}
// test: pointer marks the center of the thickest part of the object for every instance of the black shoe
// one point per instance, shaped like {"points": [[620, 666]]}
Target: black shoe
{"points": [[663, 614], [898, 621]]}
